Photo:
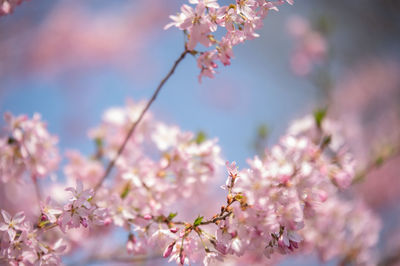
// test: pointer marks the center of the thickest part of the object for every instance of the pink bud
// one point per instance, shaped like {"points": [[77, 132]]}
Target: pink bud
{"points": [[234, 234], [182, 257], [84, 222], [107, 221], [173, 230], [147, 217], [168, 250], [281, 244], [294, 244], [323, 196]]}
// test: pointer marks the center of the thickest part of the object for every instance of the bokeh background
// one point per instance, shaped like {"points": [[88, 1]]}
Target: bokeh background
{"points": [[71, 60]]}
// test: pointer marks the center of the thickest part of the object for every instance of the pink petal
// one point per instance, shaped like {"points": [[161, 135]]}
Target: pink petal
{"points": [[6, 216]]}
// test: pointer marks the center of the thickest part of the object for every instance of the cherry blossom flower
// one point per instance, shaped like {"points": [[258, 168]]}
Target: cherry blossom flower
{"points": [[8, 6], [50, 211], [240, 20], [12, 224], [80, 211], [27, 148]]}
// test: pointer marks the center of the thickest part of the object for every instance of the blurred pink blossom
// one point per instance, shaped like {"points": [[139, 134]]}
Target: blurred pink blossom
{"points": [[310, 46], [8, 6]]}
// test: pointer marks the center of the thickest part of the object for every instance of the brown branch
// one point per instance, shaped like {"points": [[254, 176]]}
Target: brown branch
{"points": [[377, 163], [134, 125], [117, 259], [37, 189], [216, 219], [390, 259]]}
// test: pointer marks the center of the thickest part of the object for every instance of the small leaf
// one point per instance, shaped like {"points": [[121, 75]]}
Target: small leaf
{"points": [[326, 141], [319, 116], [198, 221], [98, 142], [238, 197], [379, 161], [126, 190], [263, 131], [201, 137], [172, 215]]}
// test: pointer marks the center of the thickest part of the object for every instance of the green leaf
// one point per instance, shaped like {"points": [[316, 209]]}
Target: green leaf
{"points": [[326, 141], [379, 161], [98, 142], [172, 215], [319, 116], [126, 190], [198, 221], [201, 137], [263, 131]]}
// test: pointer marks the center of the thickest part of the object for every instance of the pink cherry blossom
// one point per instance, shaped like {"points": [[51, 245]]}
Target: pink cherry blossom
{"points": [[50, 211], [240, 20], [28, 148], [8, 6], [12, 224]]}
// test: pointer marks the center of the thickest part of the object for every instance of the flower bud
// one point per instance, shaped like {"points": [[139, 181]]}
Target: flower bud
{"points": [[173, 230], [147, 217], [168, 250]]}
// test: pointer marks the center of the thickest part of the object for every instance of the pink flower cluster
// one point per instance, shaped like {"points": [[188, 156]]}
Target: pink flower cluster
{"points": [[343, 228], [86, 170], [272, 207], [283, 202], [200, 24], [23, 243], [160, 166], [80, 211], [282, 199], [27, 148]]}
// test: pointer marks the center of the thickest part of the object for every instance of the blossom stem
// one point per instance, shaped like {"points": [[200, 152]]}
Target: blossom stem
{"points": [[119, 259], [377, 163], [219, 218], [134, 125], [37, 189]]}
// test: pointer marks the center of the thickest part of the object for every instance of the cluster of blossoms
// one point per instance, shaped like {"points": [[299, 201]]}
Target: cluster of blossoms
{"points": [[344, 228], [200, 24], [25, 243], [275, 205], [289, 199], [159, 164], [21, 244], [310, 46], [8, 6], [27, 147]]}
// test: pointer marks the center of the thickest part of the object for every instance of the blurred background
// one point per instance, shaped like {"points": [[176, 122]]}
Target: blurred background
{"points": [[71, 60]]}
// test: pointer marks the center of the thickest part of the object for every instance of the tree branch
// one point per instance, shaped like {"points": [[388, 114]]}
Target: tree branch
{"points": [[134, 125]]}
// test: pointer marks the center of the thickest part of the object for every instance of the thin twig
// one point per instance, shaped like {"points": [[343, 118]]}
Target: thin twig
{"points": [[390, 259], [37, 189], [377, 163], [219, 218], [134, 125], [114, 260]]}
